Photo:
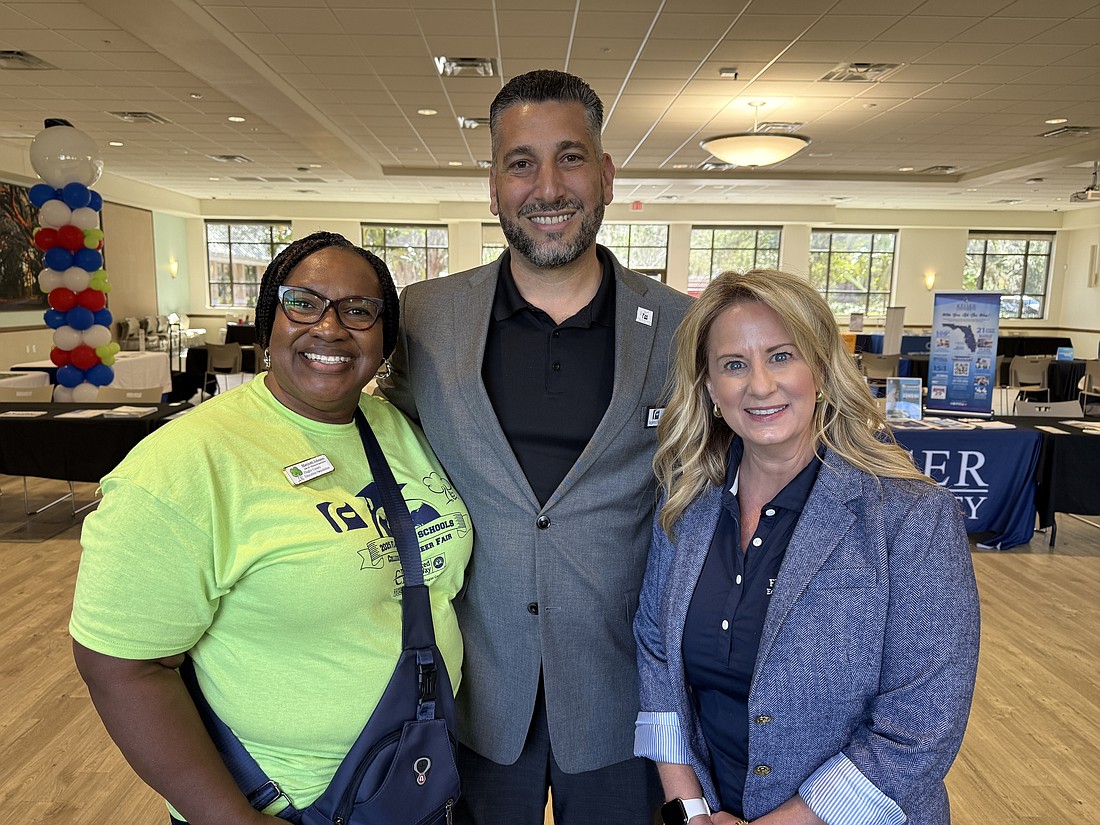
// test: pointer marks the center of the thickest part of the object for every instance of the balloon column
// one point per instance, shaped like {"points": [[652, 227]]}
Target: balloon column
{"points": [[74, 279]]}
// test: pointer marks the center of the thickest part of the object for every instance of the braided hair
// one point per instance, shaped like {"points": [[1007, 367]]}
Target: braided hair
{"points": [[280, 268]]}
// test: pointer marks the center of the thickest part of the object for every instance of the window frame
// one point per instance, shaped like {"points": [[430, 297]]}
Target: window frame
{"points": [[250, 286], [695, 286], [868, 292], [658, 272], [397, 269], [986, 237]]}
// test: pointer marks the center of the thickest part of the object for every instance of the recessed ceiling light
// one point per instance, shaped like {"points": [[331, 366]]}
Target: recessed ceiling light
{"points": [[235, 119], [1034, 180], [729, 72], [213, 178], [870, 105], [484, 164], [315, 166], [427, 112], [905, 168], [1055, 121], [681, 166], [196, 96], [115, 143], [820, 155], [454, 163]]}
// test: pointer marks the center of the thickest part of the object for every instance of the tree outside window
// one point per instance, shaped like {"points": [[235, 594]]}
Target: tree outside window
{"points": [[718, 249], [237, 255], [1016, 265], [413, 253], [642, 247], [854, 270]]}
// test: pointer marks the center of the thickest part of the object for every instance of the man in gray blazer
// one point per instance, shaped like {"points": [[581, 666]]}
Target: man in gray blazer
{"points": [[538, 380]]}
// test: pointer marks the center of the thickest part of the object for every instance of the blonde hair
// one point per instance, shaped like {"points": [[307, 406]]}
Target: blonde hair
{"points": [[693, 445]]}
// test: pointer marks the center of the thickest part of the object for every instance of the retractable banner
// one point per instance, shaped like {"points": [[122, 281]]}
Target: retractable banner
{"points": [[963, 355]]}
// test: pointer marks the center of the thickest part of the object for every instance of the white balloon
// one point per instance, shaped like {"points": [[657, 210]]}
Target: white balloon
{"points": [[83, 393], [97, 336], [76, 279], [50, 279], [67, 338], [64, 395], [85, 217], [55, 213], [62, 154]]}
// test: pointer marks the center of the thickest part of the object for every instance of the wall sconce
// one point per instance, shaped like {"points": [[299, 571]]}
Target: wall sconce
{"points": [[929, 280], [173, 267]]}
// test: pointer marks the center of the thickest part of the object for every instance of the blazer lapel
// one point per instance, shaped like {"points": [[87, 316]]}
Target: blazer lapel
{"points": [[470, 323], [636, 321]]}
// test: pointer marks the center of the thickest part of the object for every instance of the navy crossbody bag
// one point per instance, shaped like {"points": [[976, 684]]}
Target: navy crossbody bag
{"points": [[401, 769]]}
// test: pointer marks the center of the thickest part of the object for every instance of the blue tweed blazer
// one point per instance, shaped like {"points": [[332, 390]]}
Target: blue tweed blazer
{"points": [[869, 648]]}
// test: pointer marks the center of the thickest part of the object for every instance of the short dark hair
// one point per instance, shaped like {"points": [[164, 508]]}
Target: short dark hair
{"points": [[548, 86], [280, 268]]}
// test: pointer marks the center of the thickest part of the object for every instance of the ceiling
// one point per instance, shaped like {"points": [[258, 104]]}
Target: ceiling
{"points": [[329, 91]]}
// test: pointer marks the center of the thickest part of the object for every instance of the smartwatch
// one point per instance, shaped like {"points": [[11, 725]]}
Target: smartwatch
{"points": [[679, 811]]}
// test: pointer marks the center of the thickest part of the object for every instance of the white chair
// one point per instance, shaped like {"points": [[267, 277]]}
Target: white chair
{"points": [[1028, 374], [877, 368], [33, 395], [1048, 409], [144, 395]]}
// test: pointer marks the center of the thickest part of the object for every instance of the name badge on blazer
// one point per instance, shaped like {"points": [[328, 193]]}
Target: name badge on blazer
{"points": [[653, 416]]}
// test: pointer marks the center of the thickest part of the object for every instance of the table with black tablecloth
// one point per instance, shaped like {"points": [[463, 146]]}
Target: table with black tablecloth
{"points": [[72, 449], [1068, 475], [1063, 378]]}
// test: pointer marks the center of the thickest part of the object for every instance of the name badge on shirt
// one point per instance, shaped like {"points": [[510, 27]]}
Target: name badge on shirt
{"points": [[308, 470], [653, 416]]}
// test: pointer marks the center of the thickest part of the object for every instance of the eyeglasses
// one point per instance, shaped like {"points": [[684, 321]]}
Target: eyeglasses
{"points": [[304, 306]]}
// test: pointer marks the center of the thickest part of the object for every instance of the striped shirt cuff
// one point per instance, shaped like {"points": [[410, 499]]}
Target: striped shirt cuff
{"points": [[840, 794], [657, 736]]}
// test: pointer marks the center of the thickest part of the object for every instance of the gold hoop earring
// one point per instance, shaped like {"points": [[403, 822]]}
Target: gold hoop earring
{"points": [[717, 412]]}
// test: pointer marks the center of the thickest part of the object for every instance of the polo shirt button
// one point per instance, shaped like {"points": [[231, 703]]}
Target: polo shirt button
{"points": [[725, 624], [762, 770], [769, 512], [762, 720], [533, 608], [756, 542], [542, 522], [557, 366]]}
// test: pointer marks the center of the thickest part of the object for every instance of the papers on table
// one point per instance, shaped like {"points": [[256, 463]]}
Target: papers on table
{"points": [[22, 413], [128, 412], [80, 414]]}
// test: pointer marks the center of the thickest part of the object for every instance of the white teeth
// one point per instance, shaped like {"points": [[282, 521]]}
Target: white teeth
{"points": [[768, 411], [551, 219], [327, 359]]}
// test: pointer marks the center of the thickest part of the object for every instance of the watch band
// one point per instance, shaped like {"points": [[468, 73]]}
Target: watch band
{"points": [[680, 811]]}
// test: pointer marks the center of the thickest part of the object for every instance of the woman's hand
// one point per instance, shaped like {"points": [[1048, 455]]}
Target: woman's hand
{"points": [[723, 818]]}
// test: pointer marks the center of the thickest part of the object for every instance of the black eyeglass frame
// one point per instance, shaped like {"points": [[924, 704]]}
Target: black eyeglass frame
{"points": [[329, 302]]}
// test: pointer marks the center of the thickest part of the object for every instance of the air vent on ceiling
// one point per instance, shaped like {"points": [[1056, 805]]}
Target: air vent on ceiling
{"points": [[861, 72], [279, 180], [773, 127], [710, 166], [15, 59], [939, 170], [231, 158], [471, 122], [465, 66], [1069, 131], [241, 179], [1009, 201], [309, 180], [139, 117]]}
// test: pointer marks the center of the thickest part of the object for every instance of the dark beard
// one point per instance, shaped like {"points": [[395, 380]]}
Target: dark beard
{"points": [[552, 252]]}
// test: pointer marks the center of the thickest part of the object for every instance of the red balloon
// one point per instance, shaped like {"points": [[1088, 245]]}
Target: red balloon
{"points": [[71, 237], [46, 238], [61, 357], [62, 299], [84, 357], [93, 299]]}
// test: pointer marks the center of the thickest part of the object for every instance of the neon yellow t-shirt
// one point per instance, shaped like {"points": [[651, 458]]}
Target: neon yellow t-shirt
{"points": [[287, 596]]}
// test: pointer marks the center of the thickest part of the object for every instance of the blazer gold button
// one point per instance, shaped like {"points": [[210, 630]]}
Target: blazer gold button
{"points": [[543, 522], [762, 720], [762, 770], [533, 608]]}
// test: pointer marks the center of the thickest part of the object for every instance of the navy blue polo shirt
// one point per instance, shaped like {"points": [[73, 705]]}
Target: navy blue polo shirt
{"points": [[726, 617], [549, 383]]}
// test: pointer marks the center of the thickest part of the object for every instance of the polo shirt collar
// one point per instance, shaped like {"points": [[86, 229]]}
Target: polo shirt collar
{"points": [[600, 310]]}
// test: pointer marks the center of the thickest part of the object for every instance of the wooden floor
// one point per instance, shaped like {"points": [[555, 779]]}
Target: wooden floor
{"points": [[1031, 755]]}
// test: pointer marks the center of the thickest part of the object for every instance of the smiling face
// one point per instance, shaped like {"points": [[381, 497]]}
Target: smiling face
{"points": [[761, 383], [319, 370], [549, 183]]}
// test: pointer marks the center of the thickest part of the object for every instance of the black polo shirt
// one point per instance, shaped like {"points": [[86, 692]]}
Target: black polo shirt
{"points": [[726, 617], [549, 383]]}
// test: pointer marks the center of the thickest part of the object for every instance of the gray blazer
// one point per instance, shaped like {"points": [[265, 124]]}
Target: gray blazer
{"points": [[584, 566]]}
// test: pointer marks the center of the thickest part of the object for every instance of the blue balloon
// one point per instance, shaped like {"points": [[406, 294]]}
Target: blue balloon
{"points": [[59, 258], [101, 375], [96, 202], [79, 317], [40, 193], [70, 376], [89, 259], [54, 319], [104, 318], [76, 195]]}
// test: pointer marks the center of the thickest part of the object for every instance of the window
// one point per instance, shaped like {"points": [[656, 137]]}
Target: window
{"points": [[493, 242], [853, 270], [718, 249], [1016, 265], [642, 247], [413, 253], [237, 255]]}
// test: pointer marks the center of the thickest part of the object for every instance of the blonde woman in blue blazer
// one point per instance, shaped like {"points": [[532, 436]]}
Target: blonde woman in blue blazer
{"points": [[808, 626]]}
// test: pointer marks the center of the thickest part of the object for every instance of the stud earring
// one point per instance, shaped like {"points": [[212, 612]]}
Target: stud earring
{"points": [[819, 397], [717, 412]]}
